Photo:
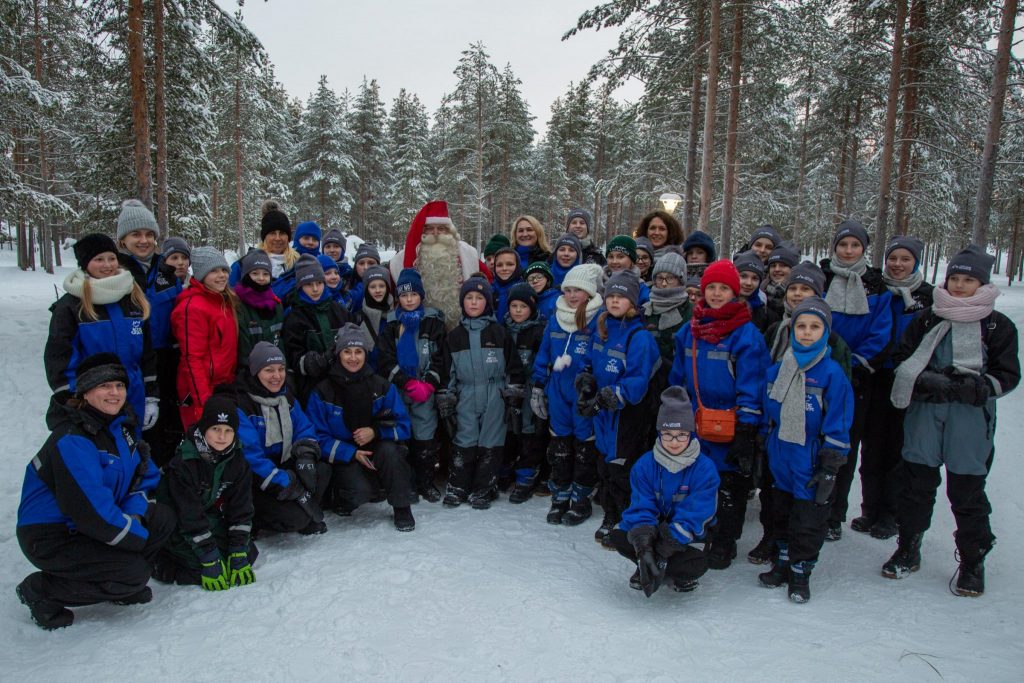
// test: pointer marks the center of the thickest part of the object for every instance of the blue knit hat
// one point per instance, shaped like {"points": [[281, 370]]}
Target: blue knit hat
{"points": [[816, 306], [307, 229], [327, 263], [409, 280], [524, 293], [480, 285], [701, 240]]}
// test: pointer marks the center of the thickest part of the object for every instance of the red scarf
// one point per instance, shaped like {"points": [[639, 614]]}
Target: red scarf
{"points": [[715, 324]]}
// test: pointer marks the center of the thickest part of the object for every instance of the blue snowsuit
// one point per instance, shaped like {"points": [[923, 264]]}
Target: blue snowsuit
{"points": [[558, 386], [264, 460], [685, 500]]}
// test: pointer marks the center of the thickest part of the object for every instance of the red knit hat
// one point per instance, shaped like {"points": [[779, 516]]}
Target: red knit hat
{"points": [[721, 271]]}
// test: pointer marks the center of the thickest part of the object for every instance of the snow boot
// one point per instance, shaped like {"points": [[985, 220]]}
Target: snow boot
{"points": [[139, 598], [800, 581], [603, 533], [862, 524], [884, 529], [526, 481], [779, 573], [721, 554], [314, 527], [404, 520], [454, 496], [970, 576], [559, 503], [681, 586], [47, 614], [485, 479], [906, 559], [634, 581], [581, 508], [835, 531], [425, 454], [763, 552]]}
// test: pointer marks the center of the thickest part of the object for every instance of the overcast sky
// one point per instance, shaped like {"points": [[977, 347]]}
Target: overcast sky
{"points": [[416, 45]]}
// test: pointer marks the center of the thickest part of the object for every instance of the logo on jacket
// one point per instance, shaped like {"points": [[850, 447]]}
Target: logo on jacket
{"points": [[582, 348], [491, 357], [136, 327], [612, 366]]}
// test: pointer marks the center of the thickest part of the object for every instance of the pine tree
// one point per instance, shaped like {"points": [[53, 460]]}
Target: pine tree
{"points": [[410, 188], [366, 123]]}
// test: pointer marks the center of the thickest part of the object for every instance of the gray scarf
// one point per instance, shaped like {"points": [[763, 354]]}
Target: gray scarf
{"points": [[959, 316], [790, 389], [668, 302], [677, 463], [846, 292], [906, 287], [277, 417]]}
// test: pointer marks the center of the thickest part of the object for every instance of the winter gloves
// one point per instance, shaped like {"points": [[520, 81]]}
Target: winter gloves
{"points": [[539, 403], [607, 399], [951, 387], [932, 387], [306, 453], [447, 402], [152, 412], [315, 363], [213, 572], [829, 462], [651, 570], [513, 395], [970, 389], [292, 490], [418, 391], [741, 451], [586, 394], [239, 570]]}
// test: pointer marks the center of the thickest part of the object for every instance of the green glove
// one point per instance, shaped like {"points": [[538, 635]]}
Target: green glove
{"points": [[240, 571], [213, 575]]}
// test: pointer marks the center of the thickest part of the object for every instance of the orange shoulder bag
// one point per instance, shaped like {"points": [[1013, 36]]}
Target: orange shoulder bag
{"points": [[714, 425]]}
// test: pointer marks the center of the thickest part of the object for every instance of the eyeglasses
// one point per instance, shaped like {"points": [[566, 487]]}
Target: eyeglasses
{"points": [[665, 279], [643, 259], [536, 277], [675, 438]]}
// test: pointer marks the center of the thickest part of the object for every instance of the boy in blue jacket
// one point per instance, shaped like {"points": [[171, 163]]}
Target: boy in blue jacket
{"points": [[674, 493], [809, 409]]}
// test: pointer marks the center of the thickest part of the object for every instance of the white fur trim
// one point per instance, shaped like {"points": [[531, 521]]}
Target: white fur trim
{"points": [[438, 220]]}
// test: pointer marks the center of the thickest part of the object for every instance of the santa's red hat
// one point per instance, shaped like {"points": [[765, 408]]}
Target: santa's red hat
{"points": [[432, 213]]}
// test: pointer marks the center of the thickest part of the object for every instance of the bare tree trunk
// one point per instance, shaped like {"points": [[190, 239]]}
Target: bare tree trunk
{"points": [[1011, 259], [983, 203], [707, 163], [140, 107], [851, 160], [889, 134], [729, 184], [905, 176], [841, 179], [803, 159], [695, 96], [160, 118], [45, 255], [239, 205]]}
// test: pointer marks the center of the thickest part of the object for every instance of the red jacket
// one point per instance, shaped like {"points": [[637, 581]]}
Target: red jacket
{"points": [[206, 329]]}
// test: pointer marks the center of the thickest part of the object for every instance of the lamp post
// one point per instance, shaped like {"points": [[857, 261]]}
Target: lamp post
{"points": [[670, 200]]}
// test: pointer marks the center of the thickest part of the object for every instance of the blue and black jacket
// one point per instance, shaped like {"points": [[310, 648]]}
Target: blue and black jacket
{"points": [[869, 336], [265, 460], [162, 287]]}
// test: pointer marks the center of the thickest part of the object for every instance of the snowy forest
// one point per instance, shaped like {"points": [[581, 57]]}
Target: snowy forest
{"points": [[908, 114]]}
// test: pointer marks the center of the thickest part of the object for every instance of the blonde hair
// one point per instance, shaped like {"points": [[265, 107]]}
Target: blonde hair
{"points": [[538, 229], [602, 324], [290, 255], [88, 311]]}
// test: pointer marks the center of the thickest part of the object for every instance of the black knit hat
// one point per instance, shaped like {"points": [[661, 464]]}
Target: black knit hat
{"points": [[91, 246], [481, 286], [524, 293], [98, 369], [972, 261], [273, 219], [219, 409]]}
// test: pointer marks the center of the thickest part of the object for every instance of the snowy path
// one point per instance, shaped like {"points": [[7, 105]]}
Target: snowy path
{"points": [[500, 595]]}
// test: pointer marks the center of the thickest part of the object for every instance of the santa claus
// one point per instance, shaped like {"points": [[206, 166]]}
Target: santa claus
{"points": [[444, 261]]}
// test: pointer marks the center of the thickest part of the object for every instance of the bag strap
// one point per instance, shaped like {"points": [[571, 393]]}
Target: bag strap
{"points": [[696, 386]]}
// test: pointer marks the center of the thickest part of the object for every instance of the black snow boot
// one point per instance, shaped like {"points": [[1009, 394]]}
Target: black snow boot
{"points": [[139, 598], [454, 496], [970, 576], [404, 520], [603, 533], [906, 559], [763, 552], [581, 508], [425, 454], [314, 527], [835, 531], [862, 524], [779, 573], [721, 554], [634, 581], [884, 529], [559, 506], [526, 482], [47, 614], [800, 581], [684, 585]]}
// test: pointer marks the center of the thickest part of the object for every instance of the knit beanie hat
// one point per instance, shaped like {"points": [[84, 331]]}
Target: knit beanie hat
{"points": [[586, 276], [749, 261], [135, 216], [273, 219], [477, 284], [262, 355], [816, 306], [376, 273], [645, 244], [524, 293], [721, 271], [98, 369], [670, 263], [851, 228], [308, 229], [205, 260], [176, 245], [366, 250], [624, 244], [256, 259], [334, 236], [676, 412], [580, 213], [409, 281], [972, 261], [91, 246], [766, 231], [701, 240], [539, 267], [307, 270], [624, 283], [495, 243], [572, 241], [327, 263], [807, 273], [787, 252], [693, 281], [219, 409], [911, 244], [351, 336]]}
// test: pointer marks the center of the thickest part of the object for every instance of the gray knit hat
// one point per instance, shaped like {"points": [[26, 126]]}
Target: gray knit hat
{"points": [[671, 263], [135, 216], [307, 270], [809, 274], [766, 231], [676, 412], [851, 228], [206, 259], [815, 305], [645, 244], [334, 236], [176, 245], [256, 259], [351, 335], [787, 253], [366, 250], [911, 244], [624, 283], [749, 261], [377, 273], [262, 355], [972, 261]]}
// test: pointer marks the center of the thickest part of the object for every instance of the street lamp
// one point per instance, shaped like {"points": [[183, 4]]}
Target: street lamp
{"points": [[670, 200]]}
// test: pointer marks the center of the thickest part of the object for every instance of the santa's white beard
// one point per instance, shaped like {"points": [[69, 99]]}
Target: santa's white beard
{"points": [[438, 263]]}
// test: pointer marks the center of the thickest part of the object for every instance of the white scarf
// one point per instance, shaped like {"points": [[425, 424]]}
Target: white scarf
{"points": [[105, 290], [906, 287], [566, 318]]}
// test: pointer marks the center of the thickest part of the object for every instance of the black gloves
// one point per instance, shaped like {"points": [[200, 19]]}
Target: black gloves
{"points": [[932, 387], [292, 490], [513, 396], [306, 453], [607, 400], [446, 403], [741, 451], [949, 386], [315, 363], [973, 390], [829, 462], [586, 394], [651, 571], [760, 461]]}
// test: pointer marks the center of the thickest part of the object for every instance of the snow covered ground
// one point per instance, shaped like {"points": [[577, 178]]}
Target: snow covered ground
{"points": [[500, 595]]}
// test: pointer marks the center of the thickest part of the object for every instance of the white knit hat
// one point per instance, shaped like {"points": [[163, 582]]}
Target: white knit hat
{"points": [[589, 277]]}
